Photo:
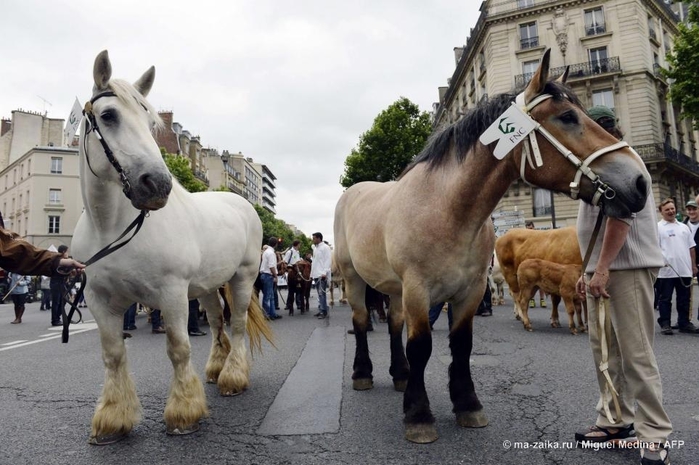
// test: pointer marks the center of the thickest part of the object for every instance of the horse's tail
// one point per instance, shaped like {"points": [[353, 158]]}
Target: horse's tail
{"points": [[257, 323]]}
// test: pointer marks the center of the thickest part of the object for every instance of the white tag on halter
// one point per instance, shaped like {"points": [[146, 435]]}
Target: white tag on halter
{"points": [[509, 129]]}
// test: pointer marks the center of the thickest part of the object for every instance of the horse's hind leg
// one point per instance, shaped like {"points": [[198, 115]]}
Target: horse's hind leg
{"points": [[400, 370], [220, 344], [118, 409], [362, 375], [467, 407], [186, 404], [234, 378]]}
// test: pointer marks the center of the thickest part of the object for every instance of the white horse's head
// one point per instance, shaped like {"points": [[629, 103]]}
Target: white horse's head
{"points": [[117, 140]]}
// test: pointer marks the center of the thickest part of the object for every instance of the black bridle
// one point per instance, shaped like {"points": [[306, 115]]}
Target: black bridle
{"points": [[135, 225]]}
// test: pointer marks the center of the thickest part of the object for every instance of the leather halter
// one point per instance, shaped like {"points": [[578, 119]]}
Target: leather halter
{"points": [[583, 166], [92, 126]]}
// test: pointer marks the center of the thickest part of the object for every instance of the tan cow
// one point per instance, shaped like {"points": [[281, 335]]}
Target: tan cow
{"points": [[554, 245], [555, 279]]}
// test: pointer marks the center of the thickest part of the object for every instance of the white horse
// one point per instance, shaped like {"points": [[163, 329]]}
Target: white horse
{"points": [[188, 247]]}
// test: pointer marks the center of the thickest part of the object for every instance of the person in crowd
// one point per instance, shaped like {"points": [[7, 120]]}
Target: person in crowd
{"points": [[692, 221], [19, 288], [679, 251], [130, 318], [291, 257], [57, 285], [156, 322], [193, 321], [320, 272], [45, 286], [268, 276], [624, 263], [542, 295], [436, 310]]}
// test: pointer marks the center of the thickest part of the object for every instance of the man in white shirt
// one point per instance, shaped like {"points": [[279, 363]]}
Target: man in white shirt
{"points": [[320, 272], [678, 248], [692, 220], [268, 275]]}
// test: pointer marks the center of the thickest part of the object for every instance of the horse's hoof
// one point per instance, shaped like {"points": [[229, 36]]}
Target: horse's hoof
{"points": [[231, 393], [400, 385], [529, 328], [574, 331], [421, 433], [475, 419], [211, 381], [179, 431], [105, 439], [555, 324], [518, 318], [362, 384]]}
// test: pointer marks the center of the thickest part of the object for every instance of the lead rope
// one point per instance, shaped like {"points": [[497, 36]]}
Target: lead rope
{"points": [[107, 250], [604, 328]]}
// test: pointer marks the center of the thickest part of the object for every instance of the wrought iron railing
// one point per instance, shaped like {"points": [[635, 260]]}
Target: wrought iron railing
{"points": [[595, 28], [529, 42], [578, 70], [664, 152]]}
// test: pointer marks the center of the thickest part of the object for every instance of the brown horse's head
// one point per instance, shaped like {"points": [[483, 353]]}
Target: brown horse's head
{"points": [[620, 178], [281, 264]]}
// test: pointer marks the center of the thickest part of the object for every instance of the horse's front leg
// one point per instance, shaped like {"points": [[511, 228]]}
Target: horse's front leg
{"points": [[362, 378], [467, 407], [555, 319], [118, 409], [419, 422], [399, 370], [186, 404]]}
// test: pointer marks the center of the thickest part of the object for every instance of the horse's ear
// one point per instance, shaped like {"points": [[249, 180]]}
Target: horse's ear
{"points": [[563, 77], [145, 82], [537, 83], [102, 72]]}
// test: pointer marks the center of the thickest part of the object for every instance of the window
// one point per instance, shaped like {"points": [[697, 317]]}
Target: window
{"points": [[54, 224], [603, 97], [594, 22], [55, 196], [525, 3], [56, 165], [651, 28], [528, 35], [598, 60], [542, 202], [29, 167], [529, 67]]}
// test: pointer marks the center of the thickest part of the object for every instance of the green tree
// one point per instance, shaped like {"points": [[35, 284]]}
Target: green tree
{"points": [[684, 66], [273, 227], [398, 134], [182, 170]]}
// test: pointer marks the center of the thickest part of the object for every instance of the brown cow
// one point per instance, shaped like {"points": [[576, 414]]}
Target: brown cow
{"points": [[534, 274], [554, 245]]}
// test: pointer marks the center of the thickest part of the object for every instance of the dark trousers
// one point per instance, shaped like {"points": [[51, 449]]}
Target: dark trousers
{"points": [[666, 286], [46, 299], [193, 321], [155, 320], [436, 310], [130, 318], [57, 303]]}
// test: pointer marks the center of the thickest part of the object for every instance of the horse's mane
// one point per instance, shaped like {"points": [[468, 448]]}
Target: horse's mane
{"points": [[131, 98], [465, 132]]}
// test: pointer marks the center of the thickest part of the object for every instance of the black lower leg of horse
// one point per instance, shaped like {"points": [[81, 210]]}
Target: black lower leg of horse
{"points": [[399, 369], [461, 389], [416, 405]]}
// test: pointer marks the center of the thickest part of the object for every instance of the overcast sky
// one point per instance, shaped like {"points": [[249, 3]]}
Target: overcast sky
{"points": [[291, 84]]}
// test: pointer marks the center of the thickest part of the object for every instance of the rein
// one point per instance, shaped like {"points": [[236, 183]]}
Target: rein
{"points": [[583, 168]]}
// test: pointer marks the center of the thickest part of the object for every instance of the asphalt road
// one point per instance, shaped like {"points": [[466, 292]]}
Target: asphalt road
{"points": [[537, 389]]}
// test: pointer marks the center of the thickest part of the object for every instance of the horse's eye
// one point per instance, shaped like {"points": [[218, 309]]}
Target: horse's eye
{"points": [[569, 117], [109, 116]]}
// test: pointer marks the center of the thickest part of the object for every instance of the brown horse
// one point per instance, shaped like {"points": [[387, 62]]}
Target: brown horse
{"points": [[428, 237], [299, 279], [553, 245]]}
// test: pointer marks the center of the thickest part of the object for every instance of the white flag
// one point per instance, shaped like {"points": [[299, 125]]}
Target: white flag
{"points": [[509, 129], [73, 122]]}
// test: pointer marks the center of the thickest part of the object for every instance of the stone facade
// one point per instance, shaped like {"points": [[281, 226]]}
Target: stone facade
{"points": [[614, 50]]}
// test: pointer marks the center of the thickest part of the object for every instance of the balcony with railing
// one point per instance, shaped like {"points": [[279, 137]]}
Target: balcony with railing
{"points": [[653, 153], [529, 42], [577, 71]]}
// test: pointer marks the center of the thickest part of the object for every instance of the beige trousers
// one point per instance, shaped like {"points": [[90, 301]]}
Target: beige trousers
{"points": [[632, 364]]}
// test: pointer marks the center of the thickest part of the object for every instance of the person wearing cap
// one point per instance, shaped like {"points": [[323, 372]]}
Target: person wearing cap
{"points": [[678, 247], [622, 268], [692, 221], [606, 118]]}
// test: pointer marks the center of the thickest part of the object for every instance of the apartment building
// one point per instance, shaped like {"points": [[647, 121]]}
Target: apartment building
{"points": [[614, 50]]}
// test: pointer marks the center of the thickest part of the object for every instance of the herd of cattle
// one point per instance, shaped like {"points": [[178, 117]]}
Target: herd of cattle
{"points": [[549, 260]]}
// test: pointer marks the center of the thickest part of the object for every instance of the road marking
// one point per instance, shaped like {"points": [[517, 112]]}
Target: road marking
{"points": [[84, 327], [309, 401], [14, 342]]}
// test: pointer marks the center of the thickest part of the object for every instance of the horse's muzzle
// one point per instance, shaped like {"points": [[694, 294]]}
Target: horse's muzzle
{"points": [[151, 191]]}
